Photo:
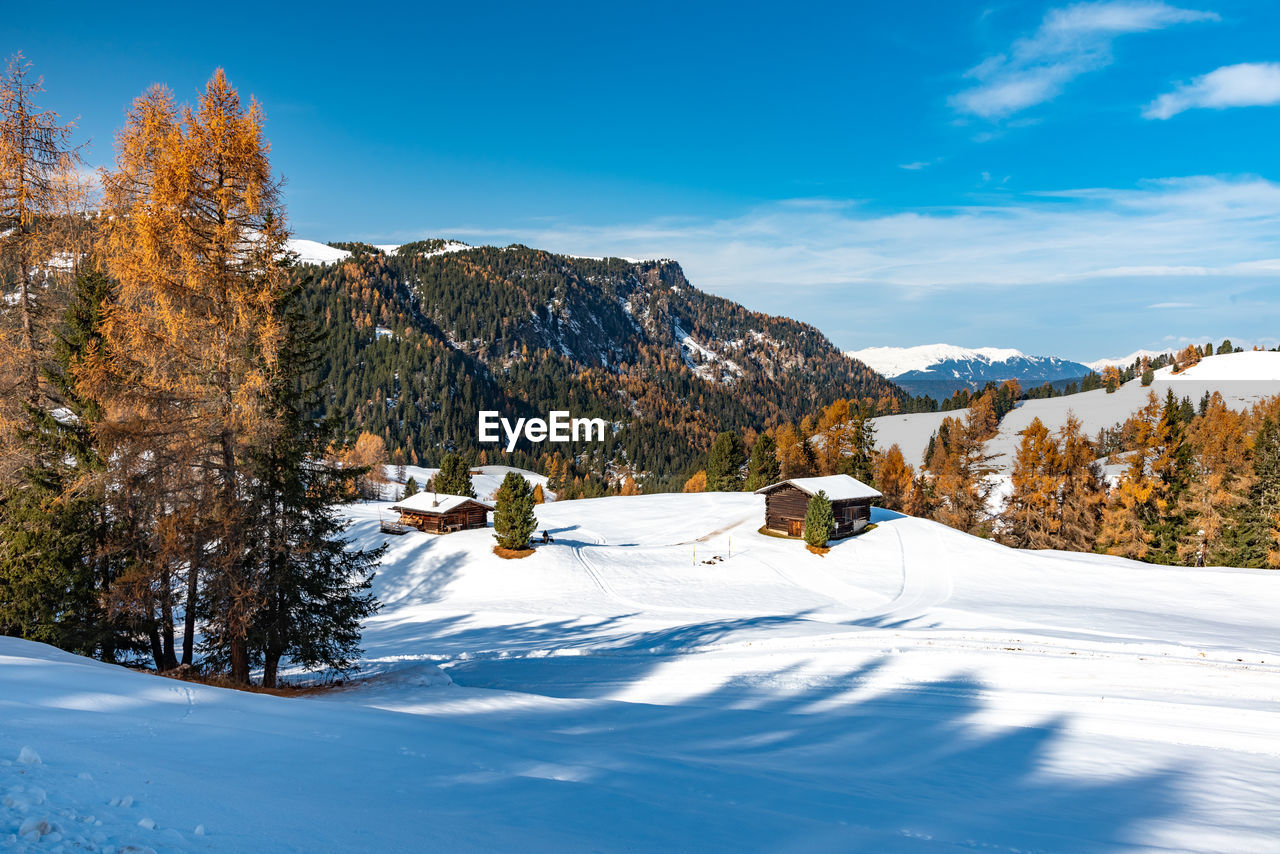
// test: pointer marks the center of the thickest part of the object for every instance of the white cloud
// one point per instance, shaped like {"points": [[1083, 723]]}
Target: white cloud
{"points": [[1228, 229], [1173, 305], [1070, 41], [1248, 84], [917, 165]]}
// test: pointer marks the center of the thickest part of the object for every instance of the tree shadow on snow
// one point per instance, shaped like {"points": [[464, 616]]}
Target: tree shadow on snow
{"points": [[795, 761]]}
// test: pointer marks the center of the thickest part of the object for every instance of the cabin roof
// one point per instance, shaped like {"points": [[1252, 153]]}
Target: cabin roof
{"points": [[436, 503], [838, 487]]}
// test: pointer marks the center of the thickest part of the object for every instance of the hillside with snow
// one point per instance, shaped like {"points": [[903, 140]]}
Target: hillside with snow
{"points": [[664, 678], [938, 370], [1241, 378]]}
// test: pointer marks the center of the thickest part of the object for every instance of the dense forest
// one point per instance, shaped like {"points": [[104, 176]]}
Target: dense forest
{"points": [[421, 339]]}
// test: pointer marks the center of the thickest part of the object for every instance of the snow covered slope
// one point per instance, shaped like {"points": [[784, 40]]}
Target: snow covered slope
{"points": [[664, 678], [1241, 378], [311, 252], [940, 369]]}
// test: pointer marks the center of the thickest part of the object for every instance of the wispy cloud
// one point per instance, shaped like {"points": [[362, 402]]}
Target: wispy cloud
{"points": [[1070, 41], [1167, 229], [1172, 305], [917, 165], [1248, 84]]}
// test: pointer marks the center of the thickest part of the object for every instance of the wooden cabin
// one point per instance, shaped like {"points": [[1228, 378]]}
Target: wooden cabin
{"points": [[786, 502], [437, 513]]}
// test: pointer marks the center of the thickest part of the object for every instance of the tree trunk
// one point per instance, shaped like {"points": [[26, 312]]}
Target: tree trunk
{"points": [[157, 651], [239, 661], [189, 615], [270, 668]]}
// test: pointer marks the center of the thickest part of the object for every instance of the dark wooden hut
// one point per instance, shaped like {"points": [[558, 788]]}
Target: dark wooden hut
{"points": [[786, 502], [437, 513]]}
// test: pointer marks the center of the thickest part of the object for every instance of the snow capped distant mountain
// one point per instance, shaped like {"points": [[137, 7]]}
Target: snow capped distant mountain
{"points": [[1125, 361], [941, 369], [894, 361]]}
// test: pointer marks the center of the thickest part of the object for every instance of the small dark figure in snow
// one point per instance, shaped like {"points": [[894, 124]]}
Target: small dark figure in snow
{"points": [[546, 538]]}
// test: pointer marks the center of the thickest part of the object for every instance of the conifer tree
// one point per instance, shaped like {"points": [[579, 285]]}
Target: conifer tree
{"points": [[960, 488], [895, 479], [1082, 490], [513, 517], [696, 483], [539, 496], [313, 584], [724, 463], [195, 238], [1253, 536], [410, 487], [1030, 517], [53, 572], [763, 467], [38, 199], [819, 521], [795, 453], [454, 477], [1218, 483]]}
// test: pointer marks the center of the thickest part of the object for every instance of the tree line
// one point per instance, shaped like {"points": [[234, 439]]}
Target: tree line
{"points": [[1195, 484]]}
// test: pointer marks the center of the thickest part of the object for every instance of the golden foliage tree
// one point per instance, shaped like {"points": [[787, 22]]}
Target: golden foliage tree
{"points": [[1030, 517], [895, 479], [1222, 475], [697, 483], [195, 238]]}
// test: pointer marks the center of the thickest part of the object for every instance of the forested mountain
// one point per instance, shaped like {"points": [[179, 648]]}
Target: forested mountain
{"points": [[422, 337]]}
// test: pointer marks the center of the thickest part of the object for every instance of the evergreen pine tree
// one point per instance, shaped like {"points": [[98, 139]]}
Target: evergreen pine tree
{"points": [[454, 477], [1253, 538], [55, 570], [313, 586], [819, 521], [410, 487], [513, 517], [724, 464], [763, 467]]}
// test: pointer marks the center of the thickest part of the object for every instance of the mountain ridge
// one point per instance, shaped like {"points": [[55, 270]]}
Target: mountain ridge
{"points": [[938, 370]]}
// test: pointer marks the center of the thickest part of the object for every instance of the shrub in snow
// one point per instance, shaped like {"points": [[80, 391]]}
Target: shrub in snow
{"points": [[28, 756]]}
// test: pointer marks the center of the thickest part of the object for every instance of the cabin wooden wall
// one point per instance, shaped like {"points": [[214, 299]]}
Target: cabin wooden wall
{"points": [[460, 518], [788, 503], [782, 505]]}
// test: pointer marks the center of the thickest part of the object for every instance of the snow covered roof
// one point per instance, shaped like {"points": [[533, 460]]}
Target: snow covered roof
{"points": [[838, 487], [436, 502]]}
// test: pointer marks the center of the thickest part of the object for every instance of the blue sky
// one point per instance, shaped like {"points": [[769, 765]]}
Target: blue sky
{"points": [[1069, 179]]}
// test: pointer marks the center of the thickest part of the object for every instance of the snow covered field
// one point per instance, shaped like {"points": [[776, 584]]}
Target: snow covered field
{"points": [[914, 690]]}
